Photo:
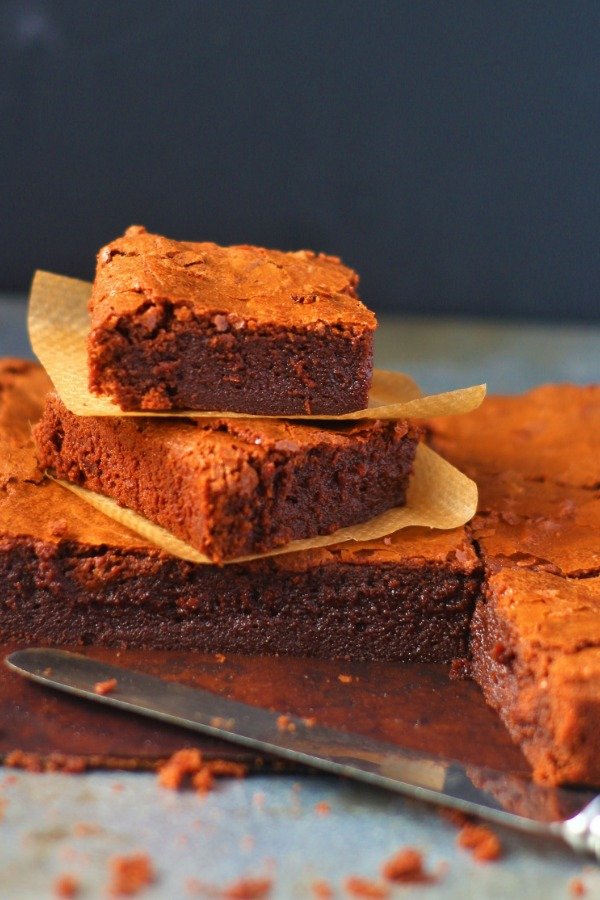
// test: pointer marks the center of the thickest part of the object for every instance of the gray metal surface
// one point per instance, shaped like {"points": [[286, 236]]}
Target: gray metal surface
{"points": [[269, 824], [334, 752]]}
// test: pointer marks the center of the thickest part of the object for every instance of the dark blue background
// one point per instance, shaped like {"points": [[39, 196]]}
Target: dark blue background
{"points": [[447, 150]]}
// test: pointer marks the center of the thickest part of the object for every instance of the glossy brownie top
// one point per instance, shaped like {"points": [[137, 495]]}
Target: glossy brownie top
{"points": [[38, 509], [236, 287]]}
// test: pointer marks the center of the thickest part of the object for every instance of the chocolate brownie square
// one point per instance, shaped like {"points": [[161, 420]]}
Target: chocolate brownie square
{"points": [[181, 325], [233, 487]]}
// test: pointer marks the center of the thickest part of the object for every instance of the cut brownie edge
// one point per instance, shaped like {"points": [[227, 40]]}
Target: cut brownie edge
{"points": [[195, 367], [535, 648], [66, 594]]}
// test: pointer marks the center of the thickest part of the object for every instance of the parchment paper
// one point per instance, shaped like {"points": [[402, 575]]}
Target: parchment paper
{"points": [[58, 328], [439, 496]]}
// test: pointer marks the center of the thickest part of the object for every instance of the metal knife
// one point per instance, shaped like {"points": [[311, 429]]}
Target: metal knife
{"points": [[572, 815]]}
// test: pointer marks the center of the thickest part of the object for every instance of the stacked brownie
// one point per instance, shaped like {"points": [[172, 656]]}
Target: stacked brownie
{"points": [[70, 575], [238, 329]]}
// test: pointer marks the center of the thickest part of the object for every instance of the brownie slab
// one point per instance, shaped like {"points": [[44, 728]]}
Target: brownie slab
{"points": [[233, 487], [549, 433], [69, 575], [535, 640], [181, 325]]}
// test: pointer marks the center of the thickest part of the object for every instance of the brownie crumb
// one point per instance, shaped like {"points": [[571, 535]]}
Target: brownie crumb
{"points": [[220, 657], [406, 866], [365, 887], [105, 687], [65, 887], [310, 721], [54, 762], [248, 889], [322, 890], [577, 888], [189, 764], [481, 841], [185, 762], [345, 679], [284, 723], [322, 808], [460, 669], [130, 874]]}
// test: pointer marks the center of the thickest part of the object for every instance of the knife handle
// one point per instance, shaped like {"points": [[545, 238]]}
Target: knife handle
{"points": [[582, 832]]}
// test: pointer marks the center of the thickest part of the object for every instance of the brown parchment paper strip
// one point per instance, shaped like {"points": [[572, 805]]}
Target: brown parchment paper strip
{"points": [[58, 328], [439, 496]]}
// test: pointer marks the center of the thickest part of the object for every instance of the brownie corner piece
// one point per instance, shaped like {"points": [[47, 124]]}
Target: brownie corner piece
{"points": [[535, 642], [182, 325]]}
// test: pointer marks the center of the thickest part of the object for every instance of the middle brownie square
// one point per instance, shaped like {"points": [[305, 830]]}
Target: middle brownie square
{"points": [[233, 487]]}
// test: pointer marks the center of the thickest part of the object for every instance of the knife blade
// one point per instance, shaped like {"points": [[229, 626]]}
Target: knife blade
{"points": [[510, 800]]}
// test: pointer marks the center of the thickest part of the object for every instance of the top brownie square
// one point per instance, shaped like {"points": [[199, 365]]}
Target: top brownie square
{"points": [[178, 325]]}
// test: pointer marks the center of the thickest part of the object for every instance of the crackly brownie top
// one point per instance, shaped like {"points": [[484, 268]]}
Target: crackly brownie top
{"points": [[551, 432], [36, 508], [549, 613], [537, 524], [236, 287]]}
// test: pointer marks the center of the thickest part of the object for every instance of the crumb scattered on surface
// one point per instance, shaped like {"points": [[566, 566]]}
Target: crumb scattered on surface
{"points": [[181, 764], [481, 841], [248, 889], [577, 888], [220, 657], [105, 687], [322, 890], [345, 679], [310, 721], [66, 886], [365, 887], [284, 723], [188, 764], [130, 874], [406, 866], [322, 808], [54, 762]]}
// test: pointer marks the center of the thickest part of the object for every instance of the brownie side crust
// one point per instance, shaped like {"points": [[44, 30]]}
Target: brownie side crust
{"points": [[233, 487], [181, 325], [535, 643]]}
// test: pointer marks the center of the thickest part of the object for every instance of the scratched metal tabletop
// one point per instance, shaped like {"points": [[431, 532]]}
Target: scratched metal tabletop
{"points": [[268, 825]]}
